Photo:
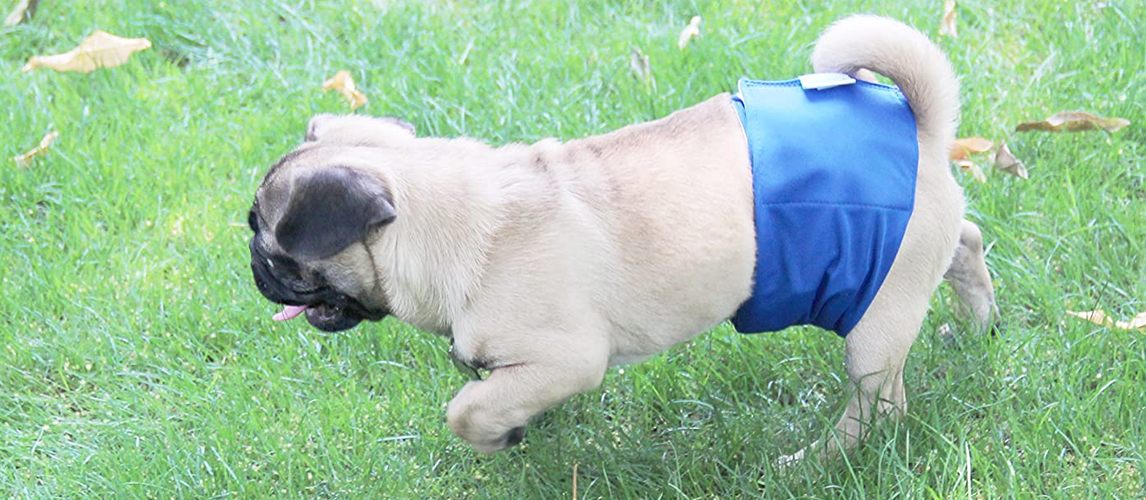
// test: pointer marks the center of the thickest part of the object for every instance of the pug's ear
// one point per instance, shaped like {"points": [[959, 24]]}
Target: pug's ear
{"points": [[357, 129], [317, 124], [330, 209], [402, 124]]}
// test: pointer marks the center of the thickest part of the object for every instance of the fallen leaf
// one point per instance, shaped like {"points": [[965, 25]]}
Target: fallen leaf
{"points": [[25, 160], [24, 9], [1099, 317], [639, 63], [947, 23], [693, 29], [969, 166], [100, 50], [1075, 121], [342, 83], [1007, 162], [1138, 323], [963, 147]]}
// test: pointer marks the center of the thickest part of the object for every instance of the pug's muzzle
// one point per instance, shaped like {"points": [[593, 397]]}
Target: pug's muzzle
{"points": [[278, 279]]}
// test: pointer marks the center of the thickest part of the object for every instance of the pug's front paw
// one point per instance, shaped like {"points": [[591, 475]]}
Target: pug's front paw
{"points": [[484, 428]]}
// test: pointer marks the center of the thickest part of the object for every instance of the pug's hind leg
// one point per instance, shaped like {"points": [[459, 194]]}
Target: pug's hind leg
{"points": [[969, 278], [876, 350], [491, 414]]}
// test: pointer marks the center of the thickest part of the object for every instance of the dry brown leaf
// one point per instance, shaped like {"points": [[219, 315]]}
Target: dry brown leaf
{"points": [[1007, 162], [639, 64], [342, 83], [693, 29], [963, 147], [1137, 323], [25, 160], [24, 9], [947, 23], [1074, 121], [100, 50], [974, 170], [1099, 317]]}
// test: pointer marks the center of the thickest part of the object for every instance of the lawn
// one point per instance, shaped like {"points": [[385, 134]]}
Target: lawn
{"points": [[137, 359]]}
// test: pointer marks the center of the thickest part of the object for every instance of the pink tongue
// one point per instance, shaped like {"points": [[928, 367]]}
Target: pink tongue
{"points": [[289, 313]]}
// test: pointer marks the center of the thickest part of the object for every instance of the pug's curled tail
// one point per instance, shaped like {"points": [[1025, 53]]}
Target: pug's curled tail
{"points": [[903, 54]]}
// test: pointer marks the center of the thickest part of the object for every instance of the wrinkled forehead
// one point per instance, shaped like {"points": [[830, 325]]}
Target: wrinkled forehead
{"points": [[272, 194], [278, 172]]}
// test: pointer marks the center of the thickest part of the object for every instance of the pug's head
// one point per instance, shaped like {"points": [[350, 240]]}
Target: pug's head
{"points": [[315, 215]]}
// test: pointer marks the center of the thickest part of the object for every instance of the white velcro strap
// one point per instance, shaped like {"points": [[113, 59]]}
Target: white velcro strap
{"points": [[821, 81]]}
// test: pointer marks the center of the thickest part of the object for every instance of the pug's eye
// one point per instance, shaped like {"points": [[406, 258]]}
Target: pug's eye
{"points": [[253, 221]]}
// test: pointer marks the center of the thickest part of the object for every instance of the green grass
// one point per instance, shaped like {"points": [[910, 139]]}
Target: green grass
{"points": [[137, 360]]}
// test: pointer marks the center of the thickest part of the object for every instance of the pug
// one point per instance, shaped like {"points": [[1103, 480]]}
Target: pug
{"points": [[547, 263]]}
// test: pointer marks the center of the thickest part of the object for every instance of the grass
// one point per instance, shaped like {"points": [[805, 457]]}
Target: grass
{"points": [[137, 360]]}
